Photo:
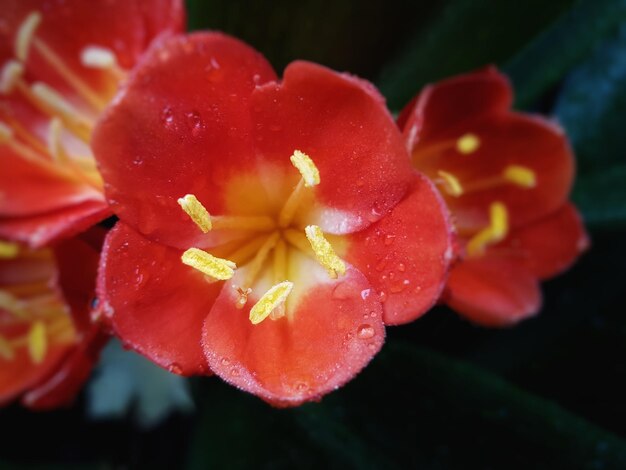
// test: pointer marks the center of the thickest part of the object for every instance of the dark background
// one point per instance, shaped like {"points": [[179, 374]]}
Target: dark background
{"points": [[550, 393]]}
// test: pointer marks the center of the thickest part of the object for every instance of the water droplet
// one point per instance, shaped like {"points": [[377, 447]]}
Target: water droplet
{"points": [[225, 361], [396, 288], [365, 293], [381, 264], [195, 123], [138, 160], [175, 368], [256, 78], [234, 372], [302, 387], [389, 239], [365, 331], [382, 296], [167, 117], [366, 316], [373, 314], [401, 267]]}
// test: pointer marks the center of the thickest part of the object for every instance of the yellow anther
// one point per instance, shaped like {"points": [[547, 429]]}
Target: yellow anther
{"points": [[25, 35], [10, 75], [6, 351], [306, 167], [468, 143], [520, 175], [324, 251], [97, 57], [8, 250], [273, 299], [196, 212], [37, 342], [496, 231], [6, 133], [452, 185], [217, 268]]}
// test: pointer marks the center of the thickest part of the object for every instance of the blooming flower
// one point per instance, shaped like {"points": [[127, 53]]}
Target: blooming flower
{"points": [[47, 343], [60, 64], [506, 177], [269, 230]]}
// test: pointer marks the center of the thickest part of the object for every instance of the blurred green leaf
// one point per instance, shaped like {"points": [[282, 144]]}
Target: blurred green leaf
{"points": [[544, 62], [467, 34], [592, 108]]}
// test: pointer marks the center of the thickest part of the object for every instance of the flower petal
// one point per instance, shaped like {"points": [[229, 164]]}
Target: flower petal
{"points": [[152, 301], [405, 255], [549, 246], [182, 126], [40, 230], [342, 123], [453, 103], [492, 291], [329, 334]]}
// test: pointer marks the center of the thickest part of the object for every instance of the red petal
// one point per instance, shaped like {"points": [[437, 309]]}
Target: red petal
{"points": [[181, 126], [42, 229], [333, 334], [405, 256], [493, 291], [549, 246], [343, 125], [454, 103], [153, 302], [509, 139]]}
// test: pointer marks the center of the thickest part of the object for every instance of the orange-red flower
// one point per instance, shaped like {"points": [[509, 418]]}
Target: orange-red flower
{"points": [[506, 177], [279, 222], [47, 343], [60, 64]]}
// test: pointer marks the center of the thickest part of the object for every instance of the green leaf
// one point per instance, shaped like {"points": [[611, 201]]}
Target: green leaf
{"points": [[543, 62], [467, 34], [592, 108]]}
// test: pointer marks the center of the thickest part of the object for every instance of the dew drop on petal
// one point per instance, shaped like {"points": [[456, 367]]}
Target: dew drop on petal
{"points": [[175, 368], [167, 117], [365, 331], [224, 361], [365, 293]]}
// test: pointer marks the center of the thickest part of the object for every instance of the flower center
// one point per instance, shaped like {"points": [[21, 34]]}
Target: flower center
{"points": [[32, 317], [267, 248], [62, 145]]}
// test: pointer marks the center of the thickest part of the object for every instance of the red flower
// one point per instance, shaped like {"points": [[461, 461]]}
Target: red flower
{"points": [[47, 343], [506, 177], [60, 64], [320, 232]]}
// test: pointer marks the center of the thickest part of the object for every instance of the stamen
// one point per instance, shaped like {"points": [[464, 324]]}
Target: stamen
{"points": [[6, 351], [273, 299], [494, 233], [97, 57], [520, 175], [55, 145], [37, 342], [6, 133], [291, 206], [298, 240], [8, 250], [467, 143], [25, 35], [247, 250], [280, 261], [196, 212], [259, 223], [12, 304], [451, 183], [10, 75], [306, 167], [217, 268], [324, 252], [243, 293], [257, 263]]}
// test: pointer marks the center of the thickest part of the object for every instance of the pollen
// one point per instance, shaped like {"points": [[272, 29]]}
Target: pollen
{"points": [[306, 167], [452, 185], [25, 35], [520, 175], [217, 268], [273, 299], [467, 143], [8, 250], [10, 75], [97, 57], [196, 212], [37, 342], [496, 231], [324, 252]]}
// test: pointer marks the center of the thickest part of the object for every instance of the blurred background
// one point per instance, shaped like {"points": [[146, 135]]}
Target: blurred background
{"points": [[550, 393]]}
